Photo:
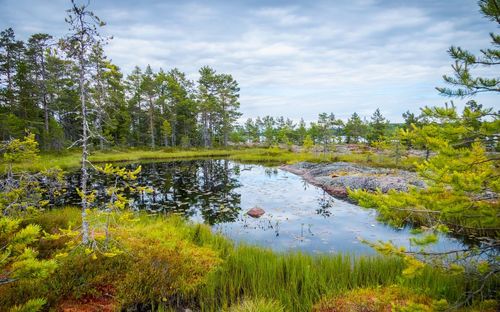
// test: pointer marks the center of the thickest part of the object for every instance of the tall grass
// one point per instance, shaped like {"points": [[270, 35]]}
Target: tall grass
{"points": [[298, 280], [244, 274], [273, 156]]}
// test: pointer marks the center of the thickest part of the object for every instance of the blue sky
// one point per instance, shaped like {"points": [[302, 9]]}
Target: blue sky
{"points": [[291, 58]]}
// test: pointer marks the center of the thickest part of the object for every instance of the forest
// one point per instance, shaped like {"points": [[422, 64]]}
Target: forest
{"points": [[146, 108], [152, 191]]}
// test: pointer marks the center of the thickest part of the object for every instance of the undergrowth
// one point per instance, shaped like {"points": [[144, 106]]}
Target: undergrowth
{"points": [[167, 262]]}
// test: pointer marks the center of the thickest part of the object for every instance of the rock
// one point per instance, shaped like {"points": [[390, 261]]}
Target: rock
{"points": [[256, 212], [336, 177], [339, 192]]}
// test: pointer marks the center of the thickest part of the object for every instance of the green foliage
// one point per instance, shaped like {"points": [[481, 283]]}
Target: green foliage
{"points": [[465, 62], [17, 259], [166, 261], [32, 305], [23, 192], [460, 180], [355, 129], [377, 127], [308, 143], [18, 150], [257, 305], [165, 267], [378, 300]]}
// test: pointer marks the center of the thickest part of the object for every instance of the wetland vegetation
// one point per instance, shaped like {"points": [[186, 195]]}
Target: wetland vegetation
{"points": [[132, 193]]}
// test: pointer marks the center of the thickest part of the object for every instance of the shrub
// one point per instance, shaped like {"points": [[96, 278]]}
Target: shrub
{"points": [[165, 266], [376, 300]]}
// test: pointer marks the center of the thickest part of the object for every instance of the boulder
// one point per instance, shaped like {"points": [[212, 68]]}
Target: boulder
{"points": [[256, 212], [339, 192]]}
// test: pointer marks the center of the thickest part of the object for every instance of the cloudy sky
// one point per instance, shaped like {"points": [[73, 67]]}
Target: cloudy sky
{"points": [[291, 58]]}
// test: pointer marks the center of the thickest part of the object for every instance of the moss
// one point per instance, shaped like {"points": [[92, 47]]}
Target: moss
{"points": [[168, 262], [382, 299]]}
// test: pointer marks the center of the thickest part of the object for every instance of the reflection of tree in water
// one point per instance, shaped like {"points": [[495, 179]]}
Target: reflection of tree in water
{"points": [[218, 201], [325, 202], [206, 187], [270, 172]]}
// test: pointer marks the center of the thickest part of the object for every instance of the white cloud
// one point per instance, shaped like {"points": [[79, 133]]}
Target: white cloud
{"points": [[294, 60]]}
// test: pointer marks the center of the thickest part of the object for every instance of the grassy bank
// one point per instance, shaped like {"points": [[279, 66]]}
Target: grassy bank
{"points": [[275, 156], [166, 262]]}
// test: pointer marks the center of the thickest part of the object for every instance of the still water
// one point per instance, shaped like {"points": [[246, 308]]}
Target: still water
{"points": [[298, 216]]}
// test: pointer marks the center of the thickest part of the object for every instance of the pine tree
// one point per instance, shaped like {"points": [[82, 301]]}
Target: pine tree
{"points": [[377, 127], [354, 129], [462, 180], [149, 88], [38, 45], [463, 80], [10, 53], [228, 105], [207, 99]]}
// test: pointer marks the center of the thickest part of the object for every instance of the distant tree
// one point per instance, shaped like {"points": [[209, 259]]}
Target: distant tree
{"points": [[181, 109], [135, 96], [355, 129], [269, 131], [308, 143], [10, 53], [228, 104], [207, 99], [377, 126], [166, 131], [301, 132], [410, 119], [252, 131], [118, 117], [38, 46], [149, 88], [326, 129]]}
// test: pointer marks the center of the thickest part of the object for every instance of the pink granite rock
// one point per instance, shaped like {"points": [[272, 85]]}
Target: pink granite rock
{"points": [[256, 212]]}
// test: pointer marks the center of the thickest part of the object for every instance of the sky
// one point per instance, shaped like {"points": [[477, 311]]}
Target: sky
{"points": [[291, 58]]}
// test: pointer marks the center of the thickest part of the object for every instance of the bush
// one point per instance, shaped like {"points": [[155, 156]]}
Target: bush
{"points": [[161, 260], [167, 273], [376, 300]]}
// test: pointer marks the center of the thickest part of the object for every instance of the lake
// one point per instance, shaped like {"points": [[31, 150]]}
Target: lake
{"points": [[299, 216]]}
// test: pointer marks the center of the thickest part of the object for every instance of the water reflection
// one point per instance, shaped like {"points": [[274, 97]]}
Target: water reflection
{"points": [[204, 187], [219, 192]]}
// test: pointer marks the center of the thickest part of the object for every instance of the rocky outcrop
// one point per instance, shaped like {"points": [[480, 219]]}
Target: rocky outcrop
{"points": [[336, 178], [256, 212]]}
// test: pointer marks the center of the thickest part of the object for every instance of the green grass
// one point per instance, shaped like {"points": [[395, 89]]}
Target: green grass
{"points": [[274, 156], [298, 281], [242, 274]]}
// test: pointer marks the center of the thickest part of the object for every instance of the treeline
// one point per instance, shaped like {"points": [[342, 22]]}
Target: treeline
{"points": [[39, 92], [376, 131], [327, 129]]}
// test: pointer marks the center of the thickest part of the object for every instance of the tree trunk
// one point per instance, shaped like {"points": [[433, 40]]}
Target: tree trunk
{"points": [[174, 132], [151, 123], [85, 175], [45, 102], [205, 134], [99, 126]]}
